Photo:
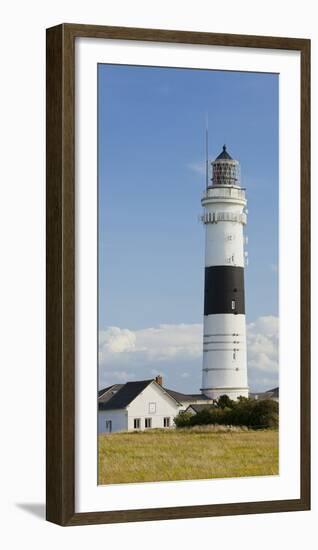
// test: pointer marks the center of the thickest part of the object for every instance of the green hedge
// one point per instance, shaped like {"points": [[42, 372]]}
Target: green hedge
{"points": [[245, 412]]}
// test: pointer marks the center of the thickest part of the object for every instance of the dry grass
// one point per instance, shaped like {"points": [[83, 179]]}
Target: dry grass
{"points": [[201, 452]]}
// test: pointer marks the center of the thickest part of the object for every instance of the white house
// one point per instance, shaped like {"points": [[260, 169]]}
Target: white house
{"points": [[141, 405]]}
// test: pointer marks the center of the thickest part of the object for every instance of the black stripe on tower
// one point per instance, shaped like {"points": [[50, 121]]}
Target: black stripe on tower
{"points": [[224, 290]]}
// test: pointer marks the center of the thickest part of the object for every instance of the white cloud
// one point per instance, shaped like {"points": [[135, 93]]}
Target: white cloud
{"points": [[121, 376], [169, 350], [116, 340], [262, 352], [197, 167], [175, 351], [266, 327], [156, 343]]}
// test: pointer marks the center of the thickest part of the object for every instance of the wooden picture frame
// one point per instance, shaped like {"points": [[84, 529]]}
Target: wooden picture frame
{"points": [[60, 264]]}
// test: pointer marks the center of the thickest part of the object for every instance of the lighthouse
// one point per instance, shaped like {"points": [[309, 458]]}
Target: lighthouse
{"points": [[224, 370]]}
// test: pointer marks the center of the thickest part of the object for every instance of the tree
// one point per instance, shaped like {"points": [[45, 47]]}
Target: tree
{"points": [[225, 402]]}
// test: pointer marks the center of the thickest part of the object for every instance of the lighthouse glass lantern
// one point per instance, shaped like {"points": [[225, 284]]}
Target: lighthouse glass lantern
{"points": [[224, 334]]}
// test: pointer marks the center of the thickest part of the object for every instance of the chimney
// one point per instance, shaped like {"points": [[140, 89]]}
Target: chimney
{"points": [[159, 380]]}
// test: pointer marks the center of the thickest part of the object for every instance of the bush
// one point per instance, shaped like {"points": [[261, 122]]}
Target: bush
{"points": [[183, 419], [210, 416], [245, 412], [256, 414]]}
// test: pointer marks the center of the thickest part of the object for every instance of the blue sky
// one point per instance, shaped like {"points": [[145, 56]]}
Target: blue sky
{"points": [[151, 156]]}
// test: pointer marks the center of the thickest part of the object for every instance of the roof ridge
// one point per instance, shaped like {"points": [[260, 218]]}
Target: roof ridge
{"points": [[140, 381]]}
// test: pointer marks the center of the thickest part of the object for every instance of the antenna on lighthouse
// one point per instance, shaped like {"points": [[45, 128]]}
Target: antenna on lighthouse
{"points": [[206, 151]]}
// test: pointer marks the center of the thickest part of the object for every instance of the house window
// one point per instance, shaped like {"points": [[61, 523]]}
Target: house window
{"points": [[152, 408], [166, 422], [136, 423], [147, 422], [108, 426]]}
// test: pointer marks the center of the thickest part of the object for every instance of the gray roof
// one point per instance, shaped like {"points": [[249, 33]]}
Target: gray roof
{"points": [[125, 395], [186, 396], [269, 394], [100, 392], [274, 392], [200, 407], [224, 155], [107, 393]]}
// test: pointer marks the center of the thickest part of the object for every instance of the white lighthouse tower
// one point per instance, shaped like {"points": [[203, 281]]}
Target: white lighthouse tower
{"points": [[224, 334]]}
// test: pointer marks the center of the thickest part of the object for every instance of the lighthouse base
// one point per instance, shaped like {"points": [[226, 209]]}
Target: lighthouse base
{"points": [[232, 393]]}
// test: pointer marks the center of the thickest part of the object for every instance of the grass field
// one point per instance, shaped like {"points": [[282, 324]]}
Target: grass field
{"points": [[195, 453]]}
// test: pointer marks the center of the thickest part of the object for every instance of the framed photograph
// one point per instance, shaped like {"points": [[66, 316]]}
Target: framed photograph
{"points": [[178, 274]]}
